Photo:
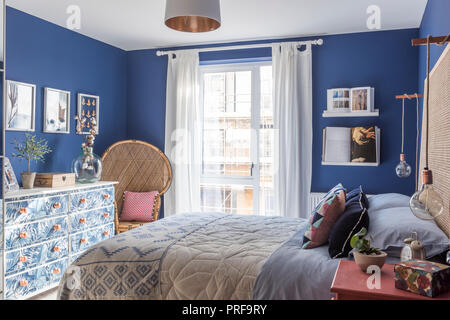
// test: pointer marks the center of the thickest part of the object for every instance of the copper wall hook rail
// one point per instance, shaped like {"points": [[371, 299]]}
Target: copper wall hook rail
{"points": [[433, 40], [409, 96]]}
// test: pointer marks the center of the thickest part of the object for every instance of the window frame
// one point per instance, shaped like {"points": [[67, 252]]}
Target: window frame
{"points": [[254, 179]]}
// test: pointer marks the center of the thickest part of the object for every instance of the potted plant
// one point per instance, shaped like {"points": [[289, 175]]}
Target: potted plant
{"points": [[364, 254], [31, 149]]}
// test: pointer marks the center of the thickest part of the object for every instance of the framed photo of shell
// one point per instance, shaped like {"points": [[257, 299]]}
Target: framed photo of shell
{"points": [[88, 113], [20, 106], [56, 111]]}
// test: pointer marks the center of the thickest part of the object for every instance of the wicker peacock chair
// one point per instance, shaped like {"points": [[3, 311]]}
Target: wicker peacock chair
{"points": [[138, 167]]}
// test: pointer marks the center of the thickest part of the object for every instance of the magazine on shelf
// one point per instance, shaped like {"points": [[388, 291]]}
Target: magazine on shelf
{"points": [[351, 145]]}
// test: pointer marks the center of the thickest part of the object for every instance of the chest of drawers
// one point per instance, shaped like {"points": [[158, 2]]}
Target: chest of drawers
{"points": [[44, 230]]}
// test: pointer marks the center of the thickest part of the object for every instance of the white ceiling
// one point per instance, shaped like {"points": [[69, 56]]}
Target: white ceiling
{"points": [[139, 24]]}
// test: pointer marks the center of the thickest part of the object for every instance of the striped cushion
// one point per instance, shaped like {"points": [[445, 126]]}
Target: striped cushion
{"points": [[138, 206]]}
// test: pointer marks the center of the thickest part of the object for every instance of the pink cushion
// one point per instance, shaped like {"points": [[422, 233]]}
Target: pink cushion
{"points": [[138, 206]]}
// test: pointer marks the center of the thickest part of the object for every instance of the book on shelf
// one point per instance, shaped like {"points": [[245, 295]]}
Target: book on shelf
{"points": [[360, 99], [351, 145]]}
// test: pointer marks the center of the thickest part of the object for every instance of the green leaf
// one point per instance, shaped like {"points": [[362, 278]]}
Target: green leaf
{"points": [[353, 241], [361, 232]]}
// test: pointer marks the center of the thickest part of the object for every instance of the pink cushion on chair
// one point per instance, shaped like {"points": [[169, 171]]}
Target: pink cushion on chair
{"points": [[138, 206]]}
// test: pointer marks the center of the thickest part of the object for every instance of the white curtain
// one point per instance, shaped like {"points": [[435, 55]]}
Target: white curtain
{"points": [[292, 98], [182, 123]]}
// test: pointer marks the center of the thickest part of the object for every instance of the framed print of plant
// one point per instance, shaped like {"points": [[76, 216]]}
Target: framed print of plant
{"points": [[20, 106]]}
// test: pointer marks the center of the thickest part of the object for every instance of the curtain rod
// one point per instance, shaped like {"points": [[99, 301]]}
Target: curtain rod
{"points": [[318, 42]]}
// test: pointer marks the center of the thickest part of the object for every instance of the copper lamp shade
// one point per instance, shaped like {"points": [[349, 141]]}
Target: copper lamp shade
{"points": [[193, 15]]}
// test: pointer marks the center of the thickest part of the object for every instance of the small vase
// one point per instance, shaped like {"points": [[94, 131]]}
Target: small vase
{"points": [[28, 179], [364, 260], [87, 166]]}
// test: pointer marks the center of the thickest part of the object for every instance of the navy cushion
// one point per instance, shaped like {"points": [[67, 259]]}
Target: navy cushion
{"points": [[349, 223], [357, 193]]}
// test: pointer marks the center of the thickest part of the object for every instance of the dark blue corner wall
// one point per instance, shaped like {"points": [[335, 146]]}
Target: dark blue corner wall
{"points": [[435, 22], [47, 55], [384, 60]]}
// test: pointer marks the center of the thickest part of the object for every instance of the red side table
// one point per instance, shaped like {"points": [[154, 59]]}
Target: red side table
{"points": [[350, 283]]}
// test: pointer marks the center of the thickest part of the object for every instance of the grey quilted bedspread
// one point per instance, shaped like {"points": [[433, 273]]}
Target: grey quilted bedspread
{"points": [[188, 256]]}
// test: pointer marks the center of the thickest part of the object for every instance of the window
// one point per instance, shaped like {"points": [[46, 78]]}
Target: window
{"points": [[237, 139]]}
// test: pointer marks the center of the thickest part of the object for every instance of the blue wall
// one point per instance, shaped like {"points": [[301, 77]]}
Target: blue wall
{"points": [[435, 22], [132, 87], [384, 60], [47, 55]]}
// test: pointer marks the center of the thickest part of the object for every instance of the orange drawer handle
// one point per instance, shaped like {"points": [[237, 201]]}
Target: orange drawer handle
{"points": [[106, 214], [56, 249], [83, 200], [83, 240], [23, 259], [106, 233], [83, 220], [23, 235], [23, 283], [106, 196], [56, 271], [56, 227], [23, 210], [57, 205]]}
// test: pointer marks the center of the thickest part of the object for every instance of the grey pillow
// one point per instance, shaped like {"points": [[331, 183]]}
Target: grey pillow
{"points": [[391, 221], [388, 200]]}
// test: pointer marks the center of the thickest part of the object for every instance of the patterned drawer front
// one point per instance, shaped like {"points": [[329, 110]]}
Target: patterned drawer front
{"points": [[29, 210], [27, 283], [82, 241], [19, 260], [92, 199], [33, 233], [89, 219]]}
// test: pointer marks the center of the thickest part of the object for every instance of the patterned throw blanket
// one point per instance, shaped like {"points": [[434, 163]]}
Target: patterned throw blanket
{"points": [[188, 256]]}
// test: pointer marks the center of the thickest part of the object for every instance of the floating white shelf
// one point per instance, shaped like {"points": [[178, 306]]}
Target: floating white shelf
{"points": [[331, 114], [351, 164]]}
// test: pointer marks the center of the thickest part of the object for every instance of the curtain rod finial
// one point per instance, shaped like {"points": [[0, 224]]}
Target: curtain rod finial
{"points": [[319, 42]]}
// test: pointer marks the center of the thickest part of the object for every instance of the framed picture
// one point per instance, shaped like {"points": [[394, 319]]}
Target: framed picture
{"points": [[338, 100], [88, 108], [9, 178], [20, 106], [56, 111], [362, 99]]}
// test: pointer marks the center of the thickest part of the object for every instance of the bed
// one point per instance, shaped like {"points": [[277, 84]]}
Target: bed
{"points": [[202, 256], [188, 256], [222, 256], [216, 256]]}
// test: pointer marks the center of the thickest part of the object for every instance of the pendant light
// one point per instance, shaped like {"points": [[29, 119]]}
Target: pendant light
{"points": [[193, 15], [403, 169], [426, 203]]}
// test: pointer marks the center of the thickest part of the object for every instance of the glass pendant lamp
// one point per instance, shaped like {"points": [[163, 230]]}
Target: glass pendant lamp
{"points": [[426, 203], [403, 169]]}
